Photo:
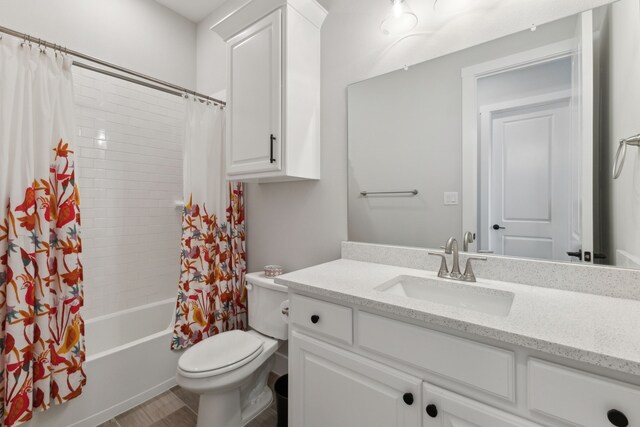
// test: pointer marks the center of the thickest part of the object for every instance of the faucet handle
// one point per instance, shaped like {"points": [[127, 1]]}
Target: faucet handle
{"points": [[444, 270], [468, 275]]}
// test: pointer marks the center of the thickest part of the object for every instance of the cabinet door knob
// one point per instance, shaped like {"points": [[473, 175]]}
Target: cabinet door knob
{"points": [[617, 418], [408, 398], [432, 410], [315, 319]]}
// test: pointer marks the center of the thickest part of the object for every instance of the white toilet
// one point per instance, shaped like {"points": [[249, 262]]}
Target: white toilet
{"points": [[230, 370]]}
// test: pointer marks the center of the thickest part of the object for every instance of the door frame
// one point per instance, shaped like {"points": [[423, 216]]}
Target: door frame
{"points": [[487, 114], [470, 117]]}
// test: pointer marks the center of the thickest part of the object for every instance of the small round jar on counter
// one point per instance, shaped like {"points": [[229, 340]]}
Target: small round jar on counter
{"points": [[273, 271]]}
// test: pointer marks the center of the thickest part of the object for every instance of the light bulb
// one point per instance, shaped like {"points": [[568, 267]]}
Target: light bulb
{"points": [[397, 8], [400, 21]]}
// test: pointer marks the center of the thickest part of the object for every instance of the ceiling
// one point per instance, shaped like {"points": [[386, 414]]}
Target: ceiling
{"points": [[194, 10]]}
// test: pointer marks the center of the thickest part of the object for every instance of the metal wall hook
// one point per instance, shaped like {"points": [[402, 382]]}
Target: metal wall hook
{"points": [[621, 154]]}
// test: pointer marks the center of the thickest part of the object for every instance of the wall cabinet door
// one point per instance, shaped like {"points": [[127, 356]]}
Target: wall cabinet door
{"points": [[255, 98], [332, 387], [445, 409]]}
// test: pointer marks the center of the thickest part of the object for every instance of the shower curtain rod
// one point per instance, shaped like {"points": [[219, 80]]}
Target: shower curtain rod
{"points": [[156, 84]]}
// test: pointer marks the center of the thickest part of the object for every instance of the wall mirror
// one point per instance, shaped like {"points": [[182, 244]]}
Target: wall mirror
{"points": [[509, 145]]}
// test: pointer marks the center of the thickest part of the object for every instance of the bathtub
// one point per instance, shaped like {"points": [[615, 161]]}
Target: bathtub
{"points": [[128, 362]]}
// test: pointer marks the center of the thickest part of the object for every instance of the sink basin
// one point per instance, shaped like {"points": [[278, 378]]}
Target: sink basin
{"points": [[442, 291]]}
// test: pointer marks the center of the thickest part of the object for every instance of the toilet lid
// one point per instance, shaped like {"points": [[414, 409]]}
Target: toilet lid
{"points": [[220, 351]]}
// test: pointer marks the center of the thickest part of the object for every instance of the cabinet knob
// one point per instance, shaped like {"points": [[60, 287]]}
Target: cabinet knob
{"points": [[432, 410], [315, 319], [617, 418], [408, 398]]}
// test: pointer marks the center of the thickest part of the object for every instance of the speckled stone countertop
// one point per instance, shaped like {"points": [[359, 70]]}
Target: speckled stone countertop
{"points": [[595, 329]]}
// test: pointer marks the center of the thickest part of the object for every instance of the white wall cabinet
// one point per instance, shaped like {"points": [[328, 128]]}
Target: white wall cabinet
{"points": [[254, 110], [351, 368], [273, 98], [340, 389]]}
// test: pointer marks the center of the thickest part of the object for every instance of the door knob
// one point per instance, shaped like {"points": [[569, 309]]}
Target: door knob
{"points": [[315, 319], [432, 410], [408, 398], [576, 254], [617, 418], [497, 227]]}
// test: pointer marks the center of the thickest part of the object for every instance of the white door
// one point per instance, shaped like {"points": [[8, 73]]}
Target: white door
{"points": [[582, 225], [529, 195], [253, 112], [446, 409], [332, 387]]}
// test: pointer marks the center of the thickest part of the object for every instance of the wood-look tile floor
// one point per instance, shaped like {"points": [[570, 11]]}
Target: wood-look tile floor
{"points": [[177, 408]]}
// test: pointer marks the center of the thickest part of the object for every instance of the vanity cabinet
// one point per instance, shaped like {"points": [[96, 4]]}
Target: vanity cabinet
{"points": [[273, 91], [446, 409], [332, 387], [354, 368]]}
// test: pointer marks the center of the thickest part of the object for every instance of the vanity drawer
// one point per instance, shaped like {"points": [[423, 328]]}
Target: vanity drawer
{"points": [[578, 397], [323, 318], [481, 366]]}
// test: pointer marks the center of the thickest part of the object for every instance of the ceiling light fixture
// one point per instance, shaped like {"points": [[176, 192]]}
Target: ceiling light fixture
{"points": [[400, 22]]}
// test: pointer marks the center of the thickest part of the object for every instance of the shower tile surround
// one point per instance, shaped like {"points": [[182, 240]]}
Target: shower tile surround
{"points": [[589, 307], [130, 174]]}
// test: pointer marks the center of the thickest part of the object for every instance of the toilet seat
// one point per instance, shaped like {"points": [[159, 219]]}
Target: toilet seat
{"points": [[219, 354]]}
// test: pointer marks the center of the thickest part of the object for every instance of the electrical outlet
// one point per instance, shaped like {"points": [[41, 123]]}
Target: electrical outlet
{"points": [[450, 198]]}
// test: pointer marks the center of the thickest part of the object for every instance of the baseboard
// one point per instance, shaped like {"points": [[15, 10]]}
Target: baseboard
{"points": [[112, 412]]}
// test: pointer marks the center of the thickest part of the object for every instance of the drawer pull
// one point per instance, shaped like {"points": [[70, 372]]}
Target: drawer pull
{"points": [[432, 410], [315, 319], [408, 398], [617, 418]]}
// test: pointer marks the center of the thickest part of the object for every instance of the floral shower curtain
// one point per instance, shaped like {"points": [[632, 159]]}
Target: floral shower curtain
{"points": [[41, 337], [211, 296]]}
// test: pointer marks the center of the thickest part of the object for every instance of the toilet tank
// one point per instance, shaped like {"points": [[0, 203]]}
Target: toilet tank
{"points": [[265, 298]]}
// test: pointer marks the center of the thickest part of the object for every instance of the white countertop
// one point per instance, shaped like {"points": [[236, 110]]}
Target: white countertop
{"points": [[599, 330]]}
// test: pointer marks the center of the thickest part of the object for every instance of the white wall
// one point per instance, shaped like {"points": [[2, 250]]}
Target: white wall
{"points": [[540, 79], [137, 34], [211, 60], [302, 223], [621, 119]]}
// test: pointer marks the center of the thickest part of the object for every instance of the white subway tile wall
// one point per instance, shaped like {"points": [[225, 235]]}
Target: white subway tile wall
{"points": [[129, 144]]}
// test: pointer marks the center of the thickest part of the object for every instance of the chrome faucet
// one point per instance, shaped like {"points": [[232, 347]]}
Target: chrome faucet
{"points": [[468, 238], [451, 248]]}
